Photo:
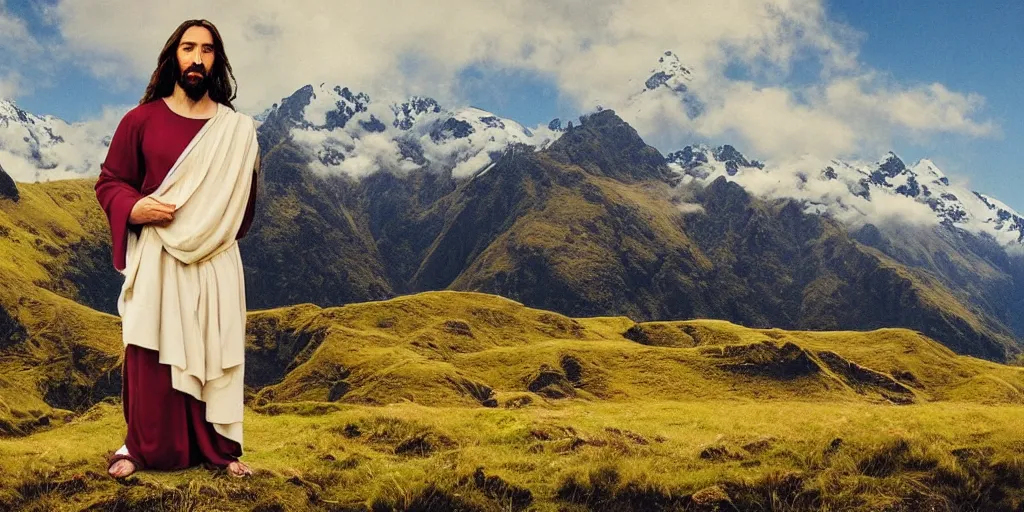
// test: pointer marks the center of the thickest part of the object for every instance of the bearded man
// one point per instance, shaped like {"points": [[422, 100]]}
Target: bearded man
{"points": [[178, 186]]}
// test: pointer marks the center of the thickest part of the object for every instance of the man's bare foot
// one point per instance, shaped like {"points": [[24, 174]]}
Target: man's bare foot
{"points": [[239, 469], [121, 468]]}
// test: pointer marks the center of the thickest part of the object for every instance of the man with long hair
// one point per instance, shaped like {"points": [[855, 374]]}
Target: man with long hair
{"points": [[178, 186]]}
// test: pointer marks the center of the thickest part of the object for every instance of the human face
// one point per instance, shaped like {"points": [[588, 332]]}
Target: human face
{"points": [[195, 60]]}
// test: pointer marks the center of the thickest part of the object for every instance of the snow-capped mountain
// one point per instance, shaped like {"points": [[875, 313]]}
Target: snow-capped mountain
{"points": [[41, 148], [860, 192], [671, 77], [669, 73], [347, 132]]}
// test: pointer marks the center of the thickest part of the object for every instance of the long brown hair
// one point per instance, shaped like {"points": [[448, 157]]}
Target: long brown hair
{"points": [[161, 83]]}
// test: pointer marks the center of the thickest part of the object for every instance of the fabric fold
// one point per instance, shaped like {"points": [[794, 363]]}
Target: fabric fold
{"points": [[184, 288]]}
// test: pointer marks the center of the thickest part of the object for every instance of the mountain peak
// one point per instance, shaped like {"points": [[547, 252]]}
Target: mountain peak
{"points": [[318, 107], [702, 162], [408, 112], [10, 113], [604, 144], [891, 165], [876, 183], [669, 73], [672, 78]]}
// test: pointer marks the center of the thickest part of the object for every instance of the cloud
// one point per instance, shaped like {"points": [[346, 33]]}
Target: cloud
{"points": [[923, 108], [48, 148], [598, 52], [18, 48], [594, 47], [798, 178], [775, 124], [10, 84]]}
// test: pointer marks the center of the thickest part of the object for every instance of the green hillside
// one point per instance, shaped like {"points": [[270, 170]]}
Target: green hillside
{"points": [[56, 355], [468, 401], [464, 348]]}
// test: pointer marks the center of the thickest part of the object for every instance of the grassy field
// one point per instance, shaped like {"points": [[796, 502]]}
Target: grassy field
{"points": [[575, 455], [465, 401]]}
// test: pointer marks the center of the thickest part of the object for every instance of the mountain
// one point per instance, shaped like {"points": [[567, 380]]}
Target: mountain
{"points": [[865, 193], [670, 75], [361, 222], [43, 148], [346, 132], [599, 223], [304, 245], [365, 200], [965, 241]]}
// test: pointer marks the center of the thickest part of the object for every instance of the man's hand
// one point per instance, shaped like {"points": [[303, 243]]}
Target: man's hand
{"points": [[148, 210]]}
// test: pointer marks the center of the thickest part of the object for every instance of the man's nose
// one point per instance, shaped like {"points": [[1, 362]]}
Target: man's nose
{"points": [[197, 58]]}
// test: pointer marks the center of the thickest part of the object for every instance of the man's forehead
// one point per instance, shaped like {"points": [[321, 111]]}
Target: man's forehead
{"points": [[196, 35]]}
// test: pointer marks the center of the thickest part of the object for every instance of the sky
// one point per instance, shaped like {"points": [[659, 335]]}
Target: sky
{"points": [[778, 79]]}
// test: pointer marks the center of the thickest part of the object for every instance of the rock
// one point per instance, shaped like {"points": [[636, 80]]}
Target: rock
{"points": [[8, 190]]}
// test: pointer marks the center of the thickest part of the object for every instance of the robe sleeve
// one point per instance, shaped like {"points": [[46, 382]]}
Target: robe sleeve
{"points": [[250, 207], [120, 181]]}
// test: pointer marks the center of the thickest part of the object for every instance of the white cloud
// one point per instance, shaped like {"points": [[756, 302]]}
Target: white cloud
{"points": [[593, 47], [925, 108], [10, 84], [18, 48], [49, 148], [599, 52], [775, 124]]}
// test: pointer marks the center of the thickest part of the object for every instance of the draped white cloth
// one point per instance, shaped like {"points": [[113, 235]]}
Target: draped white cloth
{"points": [[184, 292]]}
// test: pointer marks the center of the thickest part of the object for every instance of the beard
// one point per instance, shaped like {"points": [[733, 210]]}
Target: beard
{"points": [[194, 87]]}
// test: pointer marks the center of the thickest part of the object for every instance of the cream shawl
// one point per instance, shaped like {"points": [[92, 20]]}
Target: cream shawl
{"points": [[184, 292]]}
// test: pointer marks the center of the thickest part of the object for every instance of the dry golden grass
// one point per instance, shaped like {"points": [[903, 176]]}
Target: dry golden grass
{"points": [[563, 414], [570, 455]]}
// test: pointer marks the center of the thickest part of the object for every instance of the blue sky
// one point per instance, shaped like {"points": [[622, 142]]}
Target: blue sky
{"points": [[968, 47]]}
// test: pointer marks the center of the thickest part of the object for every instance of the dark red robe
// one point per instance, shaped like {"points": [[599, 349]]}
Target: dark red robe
{"points": [[167, 429]]}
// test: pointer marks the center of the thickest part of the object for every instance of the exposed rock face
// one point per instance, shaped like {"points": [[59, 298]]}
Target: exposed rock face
{"points": [[8, 190]]}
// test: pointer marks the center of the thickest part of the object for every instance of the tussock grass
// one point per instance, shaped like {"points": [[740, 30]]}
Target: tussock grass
{"points": [[577, 455]]}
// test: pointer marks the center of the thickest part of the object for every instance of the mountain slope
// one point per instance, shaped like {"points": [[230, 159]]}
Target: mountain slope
{"points": [[584, 243], [57, 356], [461, 348], [8, 189], [304, 246]]}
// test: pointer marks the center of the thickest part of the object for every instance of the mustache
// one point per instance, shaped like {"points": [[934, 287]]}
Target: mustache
{"points": [[198, 68]]}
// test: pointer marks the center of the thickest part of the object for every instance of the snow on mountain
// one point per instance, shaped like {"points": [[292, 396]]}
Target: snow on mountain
{"points": [[669, 73], [347, 132], [406, 114], [671, 77], [859, 192], [42, 148]]}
